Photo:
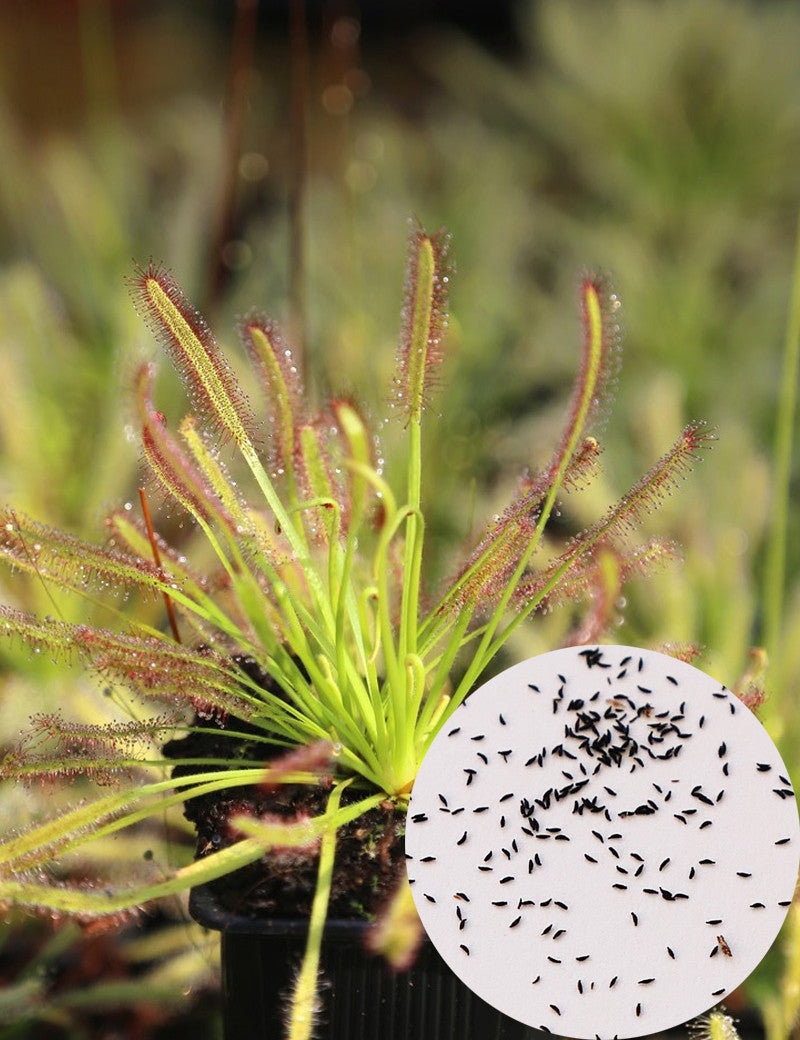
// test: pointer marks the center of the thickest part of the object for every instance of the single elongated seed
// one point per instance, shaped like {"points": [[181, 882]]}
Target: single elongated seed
{"points": [[670, 952]]}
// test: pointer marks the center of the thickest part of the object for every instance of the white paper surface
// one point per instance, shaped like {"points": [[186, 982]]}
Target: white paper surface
{"points": [[602, 841]]}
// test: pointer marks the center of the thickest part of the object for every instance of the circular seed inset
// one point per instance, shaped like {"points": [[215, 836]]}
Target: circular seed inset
{"points": [[602, 841]]}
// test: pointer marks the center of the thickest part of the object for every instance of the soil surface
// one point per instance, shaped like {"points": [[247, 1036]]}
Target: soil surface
{"points": [[369, 851]]}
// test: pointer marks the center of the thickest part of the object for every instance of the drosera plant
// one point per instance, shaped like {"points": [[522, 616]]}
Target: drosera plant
{"points": [[313, 635]]}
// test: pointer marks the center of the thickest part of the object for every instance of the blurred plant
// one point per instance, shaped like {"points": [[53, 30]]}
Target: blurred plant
{"points": [[319, 587], [68, 982]]}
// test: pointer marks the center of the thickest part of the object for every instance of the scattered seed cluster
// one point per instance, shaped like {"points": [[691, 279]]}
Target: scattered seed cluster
{"points": [[603, 841]]}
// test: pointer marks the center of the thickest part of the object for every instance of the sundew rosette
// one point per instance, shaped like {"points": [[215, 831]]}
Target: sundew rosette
{"points": [[603, 841]]}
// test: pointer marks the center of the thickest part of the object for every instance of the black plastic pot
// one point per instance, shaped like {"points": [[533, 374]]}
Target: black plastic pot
{"points": [[362, 999]]}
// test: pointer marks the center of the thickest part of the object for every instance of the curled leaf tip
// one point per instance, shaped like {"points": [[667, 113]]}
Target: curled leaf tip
{"points": [[279, 370], [424, 320], [187, 339]]}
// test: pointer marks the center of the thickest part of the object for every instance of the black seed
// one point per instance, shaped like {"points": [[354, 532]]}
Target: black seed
{"points": [[502, 720], [664, 863], [462, 895], [638, 870], [645, 982], [480, 736], [716, 920], [419, 817], [583, 957], [464, 948], [756, 906], [679, 817], [613, 852], [782, 841], [591, 859], [481, 808], [505, 880], [483, 758], [428, 859], [500, 902], [515, 922], [714, 951], [638, 1010], [553, 1006], [580, 986], [785, 902], [669, 951], [546, 902], [442, 799], [651, 891], [691, 873], [725, 769], [717, 992], [763, 767], [702, 721], [562, 905], [705, 823], [554, 960], [722, 749], [742, 873], [635, 918], [613, 982], [623, 888], [534, 981], [430, 899], [488, 856], [507, 796], [707, 862], [453, 732], [561, 931], [462, 839]]}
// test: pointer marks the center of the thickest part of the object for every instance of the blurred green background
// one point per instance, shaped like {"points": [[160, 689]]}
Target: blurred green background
{"points": [[655, 141]]}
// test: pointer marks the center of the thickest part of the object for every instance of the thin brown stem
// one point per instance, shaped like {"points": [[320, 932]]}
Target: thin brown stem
{"points": [[240, 78], [298, 32], [151, 535]]}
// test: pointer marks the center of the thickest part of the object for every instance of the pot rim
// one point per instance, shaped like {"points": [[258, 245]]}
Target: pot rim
{"points": [[204, 908]]}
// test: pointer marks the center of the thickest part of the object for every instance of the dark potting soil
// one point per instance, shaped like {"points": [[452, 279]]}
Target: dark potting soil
{"points": [[369, 856]]}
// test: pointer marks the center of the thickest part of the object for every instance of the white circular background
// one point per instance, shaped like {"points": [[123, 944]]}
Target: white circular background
{"points": [[602, 841]]}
